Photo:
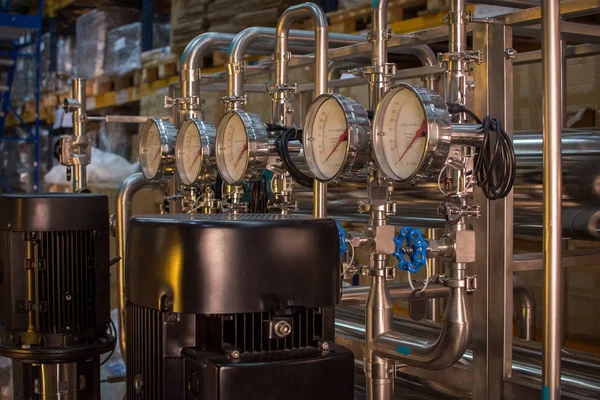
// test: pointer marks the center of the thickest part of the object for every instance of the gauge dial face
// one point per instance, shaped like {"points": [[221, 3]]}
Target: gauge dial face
{"points": [[233, 144], [328, 137], [404, 134], [189, 153], [150, 151]]}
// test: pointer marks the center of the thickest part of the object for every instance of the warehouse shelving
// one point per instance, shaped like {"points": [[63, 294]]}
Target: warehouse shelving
{"points": [[17, 31]]}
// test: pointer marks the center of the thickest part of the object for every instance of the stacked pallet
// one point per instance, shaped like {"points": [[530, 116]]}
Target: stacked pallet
{"points": [[188, 20]]}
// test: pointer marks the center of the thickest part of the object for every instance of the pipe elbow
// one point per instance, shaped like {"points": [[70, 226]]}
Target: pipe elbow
{"points": [[299, 11]]}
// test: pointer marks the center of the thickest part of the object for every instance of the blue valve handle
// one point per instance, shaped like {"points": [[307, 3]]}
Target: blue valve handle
{"points": [[342, 234], [414, 240]]}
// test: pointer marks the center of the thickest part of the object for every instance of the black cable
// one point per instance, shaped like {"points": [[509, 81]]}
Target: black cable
{"points": [[275, 127], [457, 108], [281, 144], [259, 196], [113, 329], [495, 163]]}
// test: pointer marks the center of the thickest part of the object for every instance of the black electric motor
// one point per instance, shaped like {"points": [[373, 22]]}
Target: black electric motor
{"points": [[54, 293], [224, 307]]}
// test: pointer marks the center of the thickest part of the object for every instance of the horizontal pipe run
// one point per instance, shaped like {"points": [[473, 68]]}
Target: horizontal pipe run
{"points": [[357, 295], [123, 119]]}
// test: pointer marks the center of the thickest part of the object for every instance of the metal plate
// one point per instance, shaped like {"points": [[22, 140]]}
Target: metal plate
{"points": [[207, 166], [258, 147], [438, 133], [168, 135], [357, 149]]}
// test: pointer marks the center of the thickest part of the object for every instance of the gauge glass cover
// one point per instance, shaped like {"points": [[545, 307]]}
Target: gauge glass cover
{"points": [[233, 145], [150, 151]]}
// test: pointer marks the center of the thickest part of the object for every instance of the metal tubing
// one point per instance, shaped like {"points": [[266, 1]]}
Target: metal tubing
{"points": [[122, 119], [80, 139], [552, 122], [125, 193], [282, 57], [358, 295], [245, 38], [523, 294]]}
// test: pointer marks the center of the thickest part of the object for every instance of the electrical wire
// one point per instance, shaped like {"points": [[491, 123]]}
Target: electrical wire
{"points": [[113, 332], [259, 196], [351, 257], [424, 284], [495, 166], [281, 144]]}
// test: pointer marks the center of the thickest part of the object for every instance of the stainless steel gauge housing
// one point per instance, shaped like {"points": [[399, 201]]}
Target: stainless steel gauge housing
{"points": [[242, 147], [157, 149], [336, 137], [411, 133], [195, 152]]}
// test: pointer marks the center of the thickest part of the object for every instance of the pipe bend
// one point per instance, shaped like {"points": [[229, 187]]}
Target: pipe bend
{"points": [[130, 186], [442, 353], [298, 11]]}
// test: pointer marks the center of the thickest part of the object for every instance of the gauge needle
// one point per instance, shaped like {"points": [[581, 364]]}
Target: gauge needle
{"points": [[157, 154], [197, 156], [241, 153], [343, 138], [419, 134]]}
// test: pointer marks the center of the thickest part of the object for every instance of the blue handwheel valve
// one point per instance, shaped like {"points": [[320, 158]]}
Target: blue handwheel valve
{"points": [[342, 234], [410, 243]]}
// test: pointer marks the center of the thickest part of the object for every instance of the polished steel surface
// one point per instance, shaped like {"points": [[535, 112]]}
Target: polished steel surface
{"points": [[358, 295], [168, 135], [125, 193], [207, 171], [57, 382], [525, 300], [552, 122], [80, 139]]}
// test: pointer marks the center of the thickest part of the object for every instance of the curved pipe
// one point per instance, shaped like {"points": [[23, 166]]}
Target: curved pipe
{"points": [[125, 193], [245, 38], [434, 355], [282, 57], [526, 301]]}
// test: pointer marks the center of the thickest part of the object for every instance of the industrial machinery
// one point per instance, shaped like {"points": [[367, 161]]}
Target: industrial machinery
{"points": [[439, 155], [257, 323], [54, 308]]}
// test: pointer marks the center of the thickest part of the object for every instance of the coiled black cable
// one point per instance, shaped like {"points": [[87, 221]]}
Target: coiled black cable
{"points": [[495, 166], [281, 145], [259, 196]]}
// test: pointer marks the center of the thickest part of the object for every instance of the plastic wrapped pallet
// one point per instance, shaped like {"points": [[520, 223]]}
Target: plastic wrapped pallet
{"points": [[124, 49], [124, 46], [92, 30]]}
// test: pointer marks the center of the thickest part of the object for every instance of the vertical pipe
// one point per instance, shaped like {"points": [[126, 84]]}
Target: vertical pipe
{"points": [[282, 57], [434, 264], [379, 37], [552, 122], [80, 140]]}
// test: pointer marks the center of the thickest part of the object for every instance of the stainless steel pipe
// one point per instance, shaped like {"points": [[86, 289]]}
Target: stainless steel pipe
{"points": [[524, 298], [280, 104], [552, 122], [125, 193], [243, 40], [358, 295], [80, 140]]}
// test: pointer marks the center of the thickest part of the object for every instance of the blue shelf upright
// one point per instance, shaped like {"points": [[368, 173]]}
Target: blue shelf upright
{"points": [[19, 31]]}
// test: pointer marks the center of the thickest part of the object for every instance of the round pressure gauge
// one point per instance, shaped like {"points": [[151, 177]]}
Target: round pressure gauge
{"points": [[242, 147], [411, 133], [195, 152], [157, 149], [336, 137]]}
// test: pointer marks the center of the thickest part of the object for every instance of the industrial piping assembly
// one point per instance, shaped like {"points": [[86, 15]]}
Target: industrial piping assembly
{"points": [[235, 289]]}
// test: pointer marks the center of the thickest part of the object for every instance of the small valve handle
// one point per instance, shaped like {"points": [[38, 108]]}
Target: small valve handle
{"points": [[410, 243], [342, 233]]}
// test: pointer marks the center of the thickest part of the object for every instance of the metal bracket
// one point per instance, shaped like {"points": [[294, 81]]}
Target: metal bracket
{"points": [[193, 101], [71, 105], [388, 70], [281, 88], [243, 100], [470, 56], [456, 17], [386, 34], [469, 283]]}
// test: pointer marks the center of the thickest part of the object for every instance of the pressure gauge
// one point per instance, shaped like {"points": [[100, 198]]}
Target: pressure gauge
{"points": [[336, 137], [242, 147], [157, 149], [195, 152], [411, 133]]}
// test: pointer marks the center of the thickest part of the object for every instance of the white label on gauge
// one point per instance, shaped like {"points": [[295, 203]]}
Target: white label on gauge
{"points": [[404, 133], [235, 143], [330, 138], [190, 154], [151, 152]]}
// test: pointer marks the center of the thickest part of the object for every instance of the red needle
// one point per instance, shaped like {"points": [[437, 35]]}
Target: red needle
{"points": [[419, 134], [343, 138], [197, 156], [241, 153]]}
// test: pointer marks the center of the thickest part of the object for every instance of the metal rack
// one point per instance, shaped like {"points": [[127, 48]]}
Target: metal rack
{"points": [[17, 32]]}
